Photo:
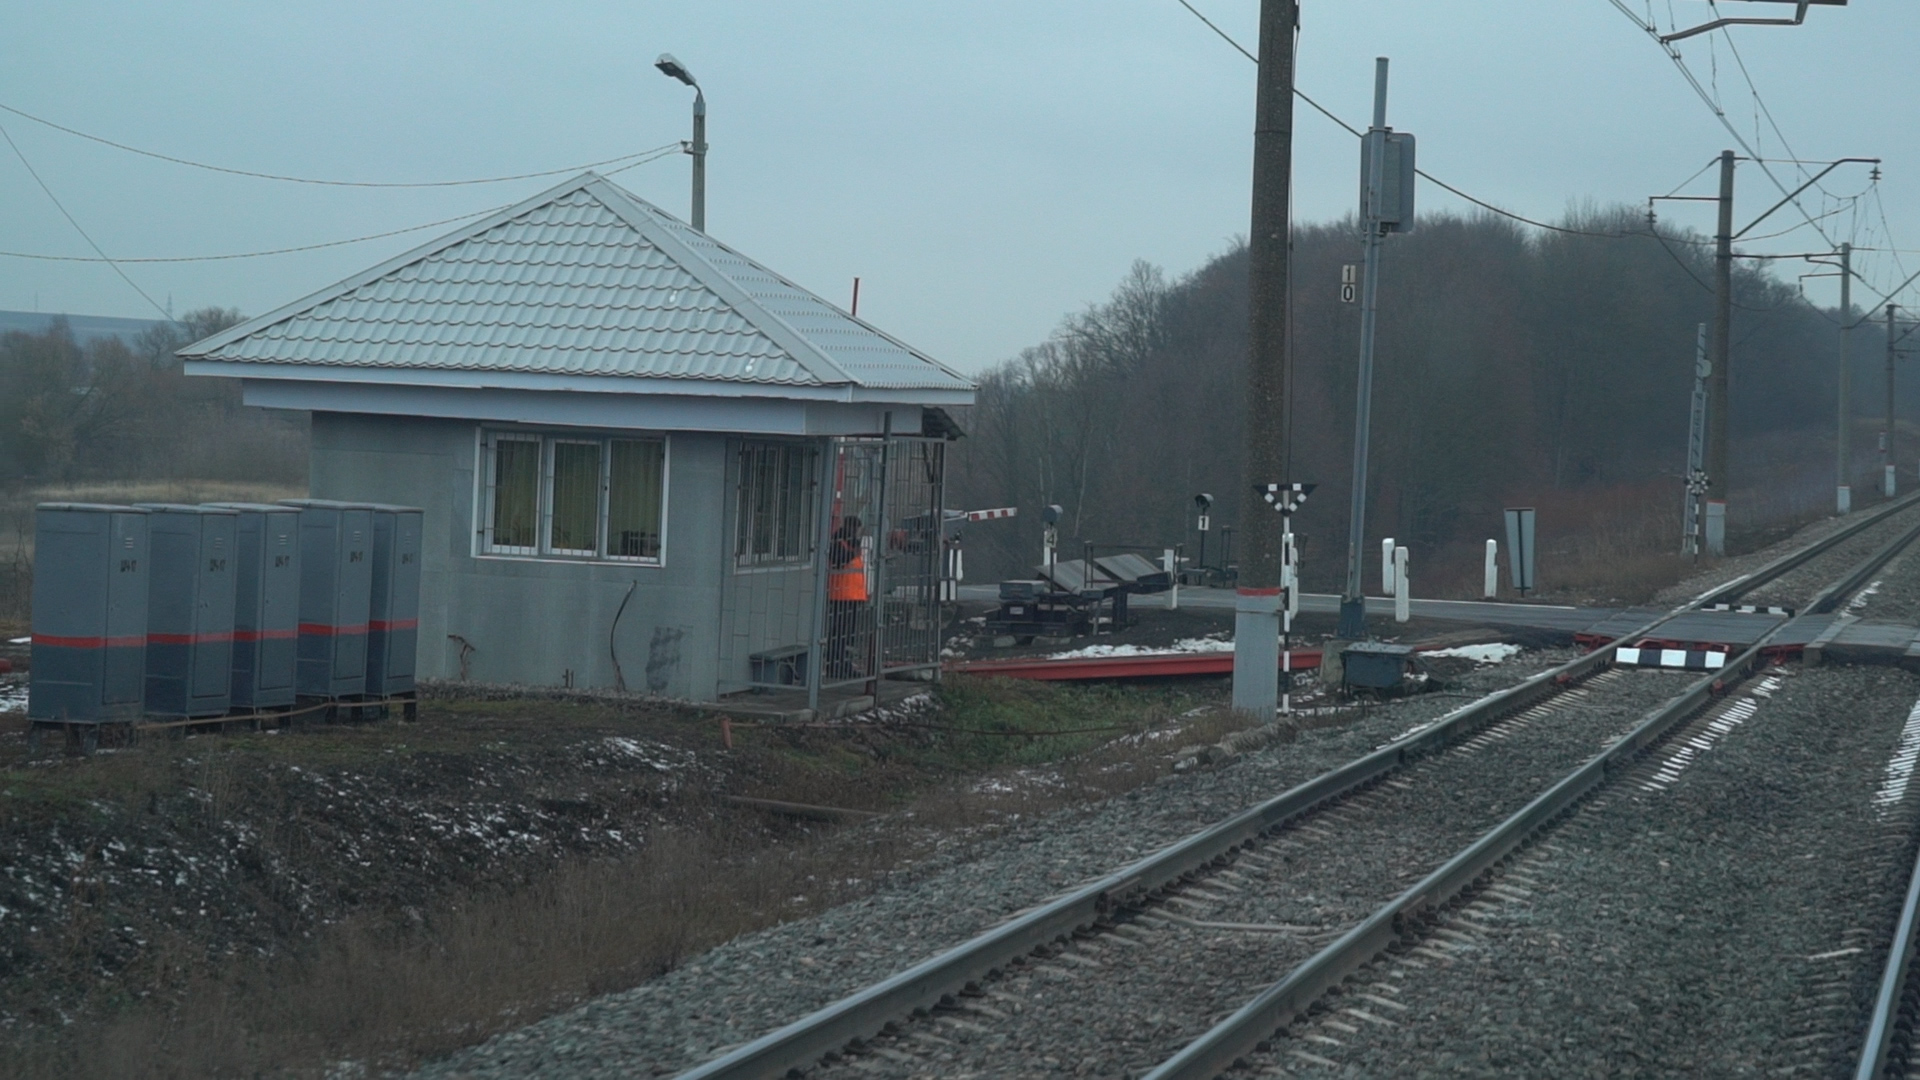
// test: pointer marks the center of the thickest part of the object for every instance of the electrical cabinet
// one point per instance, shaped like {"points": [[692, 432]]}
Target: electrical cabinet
{"points": [[336, 595], [393, 634], [266, 615], [190, 603], [89, 648]]}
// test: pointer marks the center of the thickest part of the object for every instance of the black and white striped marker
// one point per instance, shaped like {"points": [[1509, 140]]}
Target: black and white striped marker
{"points": [[1680, 659], [1751, 609]]}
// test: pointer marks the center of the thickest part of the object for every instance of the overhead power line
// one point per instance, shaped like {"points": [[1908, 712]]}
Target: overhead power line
{"points": [[328, 183], [55, 199], [1422, 173], [659, 153]]}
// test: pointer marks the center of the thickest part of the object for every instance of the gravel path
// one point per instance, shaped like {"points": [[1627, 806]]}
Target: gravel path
{"points": [[1121, 1003], [759, 981], [1719, 923]]}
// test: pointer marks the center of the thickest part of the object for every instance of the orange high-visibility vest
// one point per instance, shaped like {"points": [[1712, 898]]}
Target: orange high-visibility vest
{"points": [[849, 582]]}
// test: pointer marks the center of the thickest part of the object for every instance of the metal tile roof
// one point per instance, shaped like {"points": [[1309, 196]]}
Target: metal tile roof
{"points": [[583, 279]]}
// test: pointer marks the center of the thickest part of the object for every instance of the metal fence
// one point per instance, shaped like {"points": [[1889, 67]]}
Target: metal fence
{"points": [[835, 564]]}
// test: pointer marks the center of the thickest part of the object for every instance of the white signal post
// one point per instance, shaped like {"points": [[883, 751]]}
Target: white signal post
{"points": [[1286, 498], [1491, 587], [1386, 566]]}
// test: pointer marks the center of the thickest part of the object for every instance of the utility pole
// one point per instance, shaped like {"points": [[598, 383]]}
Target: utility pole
{"points": [[1257, 603], [1843, 442], [1386, 205], [1886, 433], [1717, 396]]}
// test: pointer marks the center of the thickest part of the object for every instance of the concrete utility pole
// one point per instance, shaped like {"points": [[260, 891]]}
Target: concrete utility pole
{"points": [[1256, 624], [1843, 441], [1886, 433], [1717, 397]]}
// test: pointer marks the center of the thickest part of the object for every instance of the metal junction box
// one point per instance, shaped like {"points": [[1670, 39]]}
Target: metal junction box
{"points": [[190, 595], [393, 623], [266, 611], [336, 595], [90, 572], [1378, 666]]}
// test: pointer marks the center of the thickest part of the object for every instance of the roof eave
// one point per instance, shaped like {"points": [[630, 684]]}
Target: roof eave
{"points": [[569, 383]]}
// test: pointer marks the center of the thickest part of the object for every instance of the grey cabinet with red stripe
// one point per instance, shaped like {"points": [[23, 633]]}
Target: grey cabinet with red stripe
{"points": [[266, 617], [393, 634], [90, 572], [190, 603], [336, 594]]}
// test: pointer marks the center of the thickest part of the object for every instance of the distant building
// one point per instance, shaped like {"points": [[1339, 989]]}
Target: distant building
{"points": [[86, 328], [645, 459]]}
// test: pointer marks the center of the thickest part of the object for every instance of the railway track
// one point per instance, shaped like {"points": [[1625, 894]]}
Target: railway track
{"points": [[1244, 895]]}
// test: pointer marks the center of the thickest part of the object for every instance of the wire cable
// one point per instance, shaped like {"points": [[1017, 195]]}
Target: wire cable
{"points": [[302, 247], [326, 183], [55, 199], [1422, 173]]}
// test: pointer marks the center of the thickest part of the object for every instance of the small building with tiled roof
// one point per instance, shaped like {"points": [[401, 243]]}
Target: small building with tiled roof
{"points": [[646, 460]]}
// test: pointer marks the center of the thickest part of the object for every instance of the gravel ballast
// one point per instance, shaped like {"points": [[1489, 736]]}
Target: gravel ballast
{"points": [[1121, 1003], [757, 982], [1725, 923]]}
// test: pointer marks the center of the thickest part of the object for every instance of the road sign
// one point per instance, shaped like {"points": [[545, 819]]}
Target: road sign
{"points": [[1349, 278], [1520, 547]]}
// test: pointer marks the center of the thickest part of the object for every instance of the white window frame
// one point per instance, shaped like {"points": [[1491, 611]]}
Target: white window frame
{"points": [[488, 436], [490, 461]]}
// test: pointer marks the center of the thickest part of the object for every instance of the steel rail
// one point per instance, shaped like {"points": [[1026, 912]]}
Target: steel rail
{"points": [[1280, 1004], [801, 1043], [1884, 1031]]}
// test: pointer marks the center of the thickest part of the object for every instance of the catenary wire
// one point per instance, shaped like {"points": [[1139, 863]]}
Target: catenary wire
{"points": [[324, 183], [1720, 114], [301, 247], [55, 199]]}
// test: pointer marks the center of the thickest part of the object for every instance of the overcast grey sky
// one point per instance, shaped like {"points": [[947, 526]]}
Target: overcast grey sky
{"points": [[984, 167]]}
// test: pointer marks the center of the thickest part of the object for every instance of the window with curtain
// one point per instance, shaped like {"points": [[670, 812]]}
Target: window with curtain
{"points": [[569, 496]]}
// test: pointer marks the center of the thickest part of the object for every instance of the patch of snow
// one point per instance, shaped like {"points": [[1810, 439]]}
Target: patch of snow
{"points": [[1211, 643], [13, 697], [19, 641], [1495, 653]]}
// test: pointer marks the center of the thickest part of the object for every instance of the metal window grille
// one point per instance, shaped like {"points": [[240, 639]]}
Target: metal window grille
{"points": [[513, 494], [773, 524], [637, 476], [602, 498], [573, 516]]}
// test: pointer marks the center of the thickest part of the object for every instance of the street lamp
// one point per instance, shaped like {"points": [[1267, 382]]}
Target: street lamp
{"points": [[698, 148]]}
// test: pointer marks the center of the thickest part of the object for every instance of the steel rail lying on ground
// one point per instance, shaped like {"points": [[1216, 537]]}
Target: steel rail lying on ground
{"points": [[803, 1042], [1280, 1004]]}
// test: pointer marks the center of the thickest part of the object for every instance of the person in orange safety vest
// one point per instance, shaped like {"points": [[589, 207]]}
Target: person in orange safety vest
{"points": [[846, 595]]}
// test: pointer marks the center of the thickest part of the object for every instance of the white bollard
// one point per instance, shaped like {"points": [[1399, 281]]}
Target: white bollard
{"points": [[1386, 566], [1402, 590], [1493, 569], [1173, 575]]}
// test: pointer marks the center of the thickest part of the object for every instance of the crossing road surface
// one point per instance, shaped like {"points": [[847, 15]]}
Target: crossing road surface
{"points": [[1480, 612]]}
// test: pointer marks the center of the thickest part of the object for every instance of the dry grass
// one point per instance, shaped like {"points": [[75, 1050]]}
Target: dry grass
{"points": [[386, 992], [388, 988]]}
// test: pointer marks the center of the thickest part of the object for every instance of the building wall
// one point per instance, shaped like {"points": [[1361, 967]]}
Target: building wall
{"points": [[542, 622]]}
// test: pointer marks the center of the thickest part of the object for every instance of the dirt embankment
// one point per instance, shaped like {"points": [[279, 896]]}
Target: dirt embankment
{"points": [[263, 901]]}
